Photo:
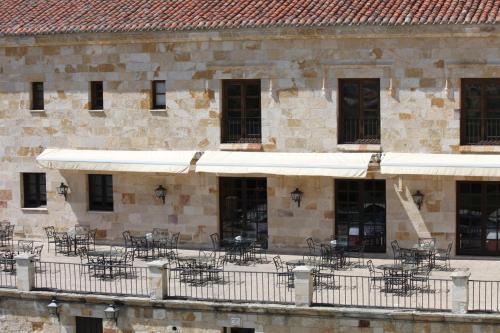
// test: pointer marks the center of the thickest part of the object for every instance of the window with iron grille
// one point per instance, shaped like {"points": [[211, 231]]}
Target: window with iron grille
{"points": [[241, 111], [159, 100], [480, 112], [37, 96], [101, 192], [88, 325], [359, 111], [96, 95], [360, 214], [34, 190]]}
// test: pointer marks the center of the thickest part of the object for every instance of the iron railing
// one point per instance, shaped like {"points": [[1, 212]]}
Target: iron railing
{"points": [[233, 286], [7, 273], [484, 296], [479, 131], [364, 291], [360, 131], [239, 130], [92, 278]]}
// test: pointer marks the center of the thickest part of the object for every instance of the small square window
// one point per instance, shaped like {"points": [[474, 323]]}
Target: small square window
{"points": [[101, 192], [37, 96], [88, 325], [34, 191], [96, 95], [159, 100]]}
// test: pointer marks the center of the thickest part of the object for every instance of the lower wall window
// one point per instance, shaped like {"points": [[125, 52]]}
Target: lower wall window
{"points": [[101, 192], [34, 191], [88, 325], [238, 330]]}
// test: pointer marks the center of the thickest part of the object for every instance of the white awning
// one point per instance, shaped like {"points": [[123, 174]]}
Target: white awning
{"points": [[348, 165], [440, 164], [117, 160]]}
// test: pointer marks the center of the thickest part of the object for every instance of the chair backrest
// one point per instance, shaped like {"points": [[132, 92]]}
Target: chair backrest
{"points": [[49, 231], [311, 244], [278, 263], [25, 245], [80, 229], [371, 267], [129, 257], [427, 242], [448, 250], [126, 237], [206, 254], [175, 238], [82, 252], [215, 240], [118, 250], [396, 250], [10, 229], [326, 251], [37, 251]]}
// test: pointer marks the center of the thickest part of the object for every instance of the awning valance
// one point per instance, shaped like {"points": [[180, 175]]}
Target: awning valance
{"points": [[441, 164], [117, 160], [346, 165]]}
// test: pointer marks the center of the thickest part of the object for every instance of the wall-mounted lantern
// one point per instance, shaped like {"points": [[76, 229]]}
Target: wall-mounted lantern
{"points": [[111, 312], [297, 196], [63, 190], [53, 308], [161, 193], [418, 199]]}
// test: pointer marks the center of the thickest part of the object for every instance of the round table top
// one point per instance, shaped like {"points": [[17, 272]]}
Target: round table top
{"points": [[196, 258], [397, 267], [104, 253]]}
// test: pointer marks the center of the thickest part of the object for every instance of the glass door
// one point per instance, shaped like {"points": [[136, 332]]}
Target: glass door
{"points": [[478, 218], [360, 213], [243, 207]]}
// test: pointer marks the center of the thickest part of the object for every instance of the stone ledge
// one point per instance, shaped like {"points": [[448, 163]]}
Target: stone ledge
{"points": [[479, 149], [359, 148], [241, 146], [35, 210], [256, 308]]}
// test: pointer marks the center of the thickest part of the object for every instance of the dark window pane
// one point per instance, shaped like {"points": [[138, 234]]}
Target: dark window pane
{"points": [[34, 191], [101, 192], [480, 117], [359, 111], [241, 118], [96, 95], [159, 99], [37, 96], [88, 325]]}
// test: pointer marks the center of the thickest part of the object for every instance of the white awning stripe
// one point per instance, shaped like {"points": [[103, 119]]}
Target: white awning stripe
{"points": [[348, 165], [117, 160], [441, 164]]}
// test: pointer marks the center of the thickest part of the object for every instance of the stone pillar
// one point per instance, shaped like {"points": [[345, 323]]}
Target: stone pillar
{"points": [[303, 282], [158, 279], [25, 272], [460, 291]]}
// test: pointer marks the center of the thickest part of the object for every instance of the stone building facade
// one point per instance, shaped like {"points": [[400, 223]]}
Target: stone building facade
{"points": [[420, 72]]}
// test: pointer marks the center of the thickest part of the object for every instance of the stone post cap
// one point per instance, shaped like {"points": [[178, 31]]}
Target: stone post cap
{"points": [[158, 264], [302, 269], [24, 256], [460, 274]]}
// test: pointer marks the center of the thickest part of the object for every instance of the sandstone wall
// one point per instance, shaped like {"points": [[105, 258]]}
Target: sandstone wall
{"points": [[419, 78]]}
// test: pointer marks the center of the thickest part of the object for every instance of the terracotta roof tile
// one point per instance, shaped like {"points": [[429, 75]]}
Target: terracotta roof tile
{"points": [[19, 17]]}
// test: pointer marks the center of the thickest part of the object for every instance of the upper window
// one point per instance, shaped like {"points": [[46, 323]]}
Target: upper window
{"points": [[359, 111], [159, 100], [96, 95], [101, 192], [37, 96], [241, 120], [34, 191], [480, 115]]}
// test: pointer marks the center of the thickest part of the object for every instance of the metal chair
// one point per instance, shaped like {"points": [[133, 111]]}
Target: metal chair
{"points": [[312, 247], [173, 242], [283, 274], [444, 255], [63, 243], [25, 246], [374, 274], [49, 232], [396, 251], [215, 241]]}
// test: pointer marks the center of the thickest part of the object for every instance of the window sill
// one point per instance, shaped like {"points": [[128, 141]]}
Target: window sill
{"points": [[101, 211], [479, 149], [158, 110], [241, 146], [375, 148], [37, 111], [96, 110], [35, 209]]}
